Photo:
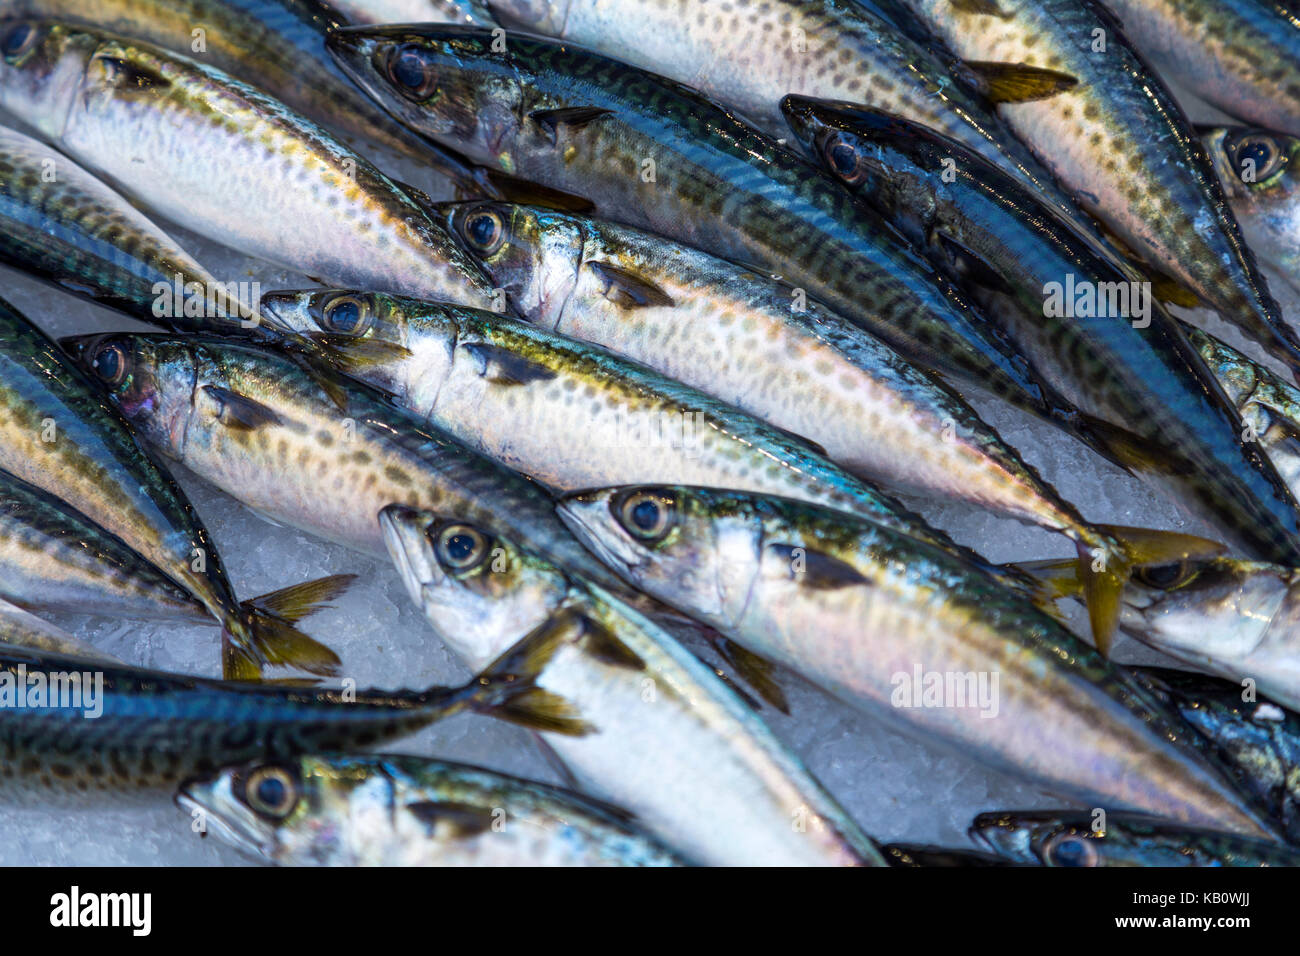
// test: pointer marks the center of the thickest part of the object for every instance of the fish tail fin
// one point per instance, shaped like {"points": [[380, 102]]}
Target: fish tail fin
{"points": [[1107, 558], [507, 688], [264, 632]]}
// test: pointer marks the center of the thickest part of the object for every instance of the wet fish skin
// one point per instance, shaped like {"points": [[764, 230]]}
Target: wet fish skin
{"points": [[1122, 144], [153, 729], [858, 609], [415, 11], [52, 557], [1257, 738], [914, 856], [161, 128], [1242, 57], [255, 424], [583, 124], [19, 628], [61, 224], [671, 742], [1264, 192], [1067, 838], [275, 45], [409, 811], [1160, 412]]}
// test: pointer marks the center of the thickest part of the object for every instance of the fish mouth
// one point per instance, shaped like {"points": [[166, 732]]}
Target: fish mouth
{"points": [[211, 801], [404, 530], [281, 309], [799, 116]]}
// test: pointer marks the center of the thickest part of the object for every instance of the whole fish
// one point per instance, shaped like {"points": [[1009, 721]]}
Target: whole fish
{"points": [[61, 224], [748, 56], [74, 726], [60, 435], [1150, 400], [1071, 838], [1256, 738], [654, 154], [263, 430], [1258, 169], [1123, 146], [876, 618], [1242, 57], [164, 130], [408, 811], [670, 741], [914, 856], [277, 46]]}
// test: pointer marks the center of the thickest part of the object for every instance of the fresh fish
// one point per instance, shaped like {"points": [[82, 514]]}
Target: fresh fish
{"points": [[60, 435], [1256, 738], [1148, 397], [61, 224], [659, 156], [1121, 143], [670, 741], [913, 856], [1258, 169], [210, 153], [55, 558], [408, 811], [749, 55], [277, 46], [415, 11], [1243, 57], [1072, 838], [19, 628], [749, 340], [910, 634], [257, 426], [119, 729]]}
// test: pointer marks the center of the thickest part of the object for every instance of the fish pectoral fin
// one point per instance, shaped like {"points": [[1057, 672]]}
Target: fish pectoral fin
{"points": [[1134, 454], [970, 264], [1164, 287], [298, 601], [808, 443], [626, 289], [122, 74], [1014, 82], [815, 569], [1057, 577], [507, 688], [755, 671], [604, 645], [980, 8], [575, 117], [352, 353], [239, 412], [463, 819], [507, 188], [501, 366]]}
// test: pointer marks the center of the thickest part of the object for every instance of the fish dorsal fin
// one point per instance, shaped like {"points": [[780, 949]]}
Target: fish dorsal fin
{"points": [[626, 289], [240, 412], [574, 117], [465, 820], [125, 75], [501, 366], [817, 569], [1014, 82]]}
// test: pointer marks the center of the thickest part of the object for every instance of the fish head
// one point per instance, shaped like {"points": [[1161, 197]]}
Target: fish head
{"points": [[480, 592], [277, 812], [1220, 607], [697, 549], [1032, 837], [151, 378], [538, 16], [533, 254], [1260, 172], [454, 84], [42, 68]]}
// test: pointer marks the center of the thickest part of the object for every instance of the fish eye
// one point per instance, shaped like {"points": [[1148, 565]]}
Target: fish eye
{"points": [[109, 363], [842, 157], [647, 515], [1069, 849], [461, 547], [1165, 577], [412, 71], [346, 314], [271, 791], [484, 230], [20, 38], [1256, 157]]}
